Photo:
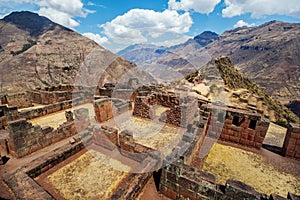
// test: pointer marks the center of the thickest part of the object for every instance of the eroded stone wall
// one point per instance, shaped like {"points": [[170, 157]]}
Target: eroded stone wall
{"points": [[20, 100], [48, 109], [7, 114]]}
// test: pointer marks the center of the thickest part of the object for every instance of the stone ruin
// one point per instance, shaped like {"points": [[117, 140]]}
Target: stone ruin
{"points": [[47, 95], [24, 138], [105, 108], [180, 111], [177, 179], [227, 123]]}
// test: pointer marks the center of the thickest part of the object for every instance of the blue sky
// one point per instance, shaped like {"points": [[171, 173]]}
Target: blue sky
{"points": [[116, 24]]}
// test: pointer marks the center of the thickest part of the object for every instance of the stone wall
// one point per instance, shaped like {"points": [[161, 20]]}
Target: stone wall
{"points": [[291, 145], [20, 100], [4, 143], [24, 138], [180, 181], [52, 95], [21, 182], [238, 126], [48, 109], [180, 112], [103, 110], [106, 108], [7, 114]]}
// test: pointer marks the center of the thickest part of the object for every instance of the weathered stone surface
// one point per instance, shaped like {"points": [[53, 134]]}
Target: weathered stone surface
{"points": [[291, 145], [239, 190], [276, 197]]}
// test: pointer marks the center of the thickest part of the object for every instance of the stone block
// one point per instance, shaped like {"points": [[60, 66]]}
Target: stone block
{"points": [[234, 139], [244, 135], [292, 196], [289, 153], [172, 177], [259, 139], [240, 191], [297, 155], [276, 197], [291, 147], [252, 143], [47, 129], [72, 141], [258, 145], [168, 192], [292, 141]]}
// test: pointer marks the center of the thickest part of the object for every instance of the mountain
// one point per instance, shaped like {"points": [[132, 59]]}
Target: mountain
{"points": [[267, 54], [174, 64], [36, 52]]}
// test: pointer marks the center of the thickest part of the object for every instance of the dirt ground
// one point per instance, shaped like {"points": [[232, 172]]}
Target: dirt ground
{"points": [[265, 171], [150, 192]]}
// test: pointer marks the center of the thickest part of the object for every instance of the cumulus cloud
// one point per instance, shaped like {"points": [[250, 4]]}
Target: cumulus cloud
{"points": [[260, 8], [96, 37], [242, 23], [70, 7], [201, 6], [137, 25], [58, 17], [63, 12]]}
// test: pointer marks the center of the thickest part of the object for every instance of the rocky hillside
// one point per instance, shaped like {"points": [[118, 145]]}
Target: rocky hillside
{"points": [[36, 52], [267, 54], [241, 91]]}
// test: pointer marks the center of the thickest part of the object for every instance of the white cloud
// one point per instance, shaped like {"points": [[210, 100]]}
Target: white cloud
{"points": [[59, 17], [137, 25], [93, 4], [62, 12], [242, 23], [96, 37], [201, 6], [70, 7], [260, 8]]}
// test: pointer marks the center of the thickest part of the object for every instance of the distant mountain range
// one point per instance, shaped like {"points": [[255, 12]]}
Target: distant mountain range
{"points": [[36, 52], [268, 54]]}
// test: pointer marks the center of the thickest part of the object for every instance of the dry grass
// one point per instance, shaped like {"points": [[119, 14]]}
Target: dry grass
{"points": [[156, 135], [89, 176], [228, 162]]}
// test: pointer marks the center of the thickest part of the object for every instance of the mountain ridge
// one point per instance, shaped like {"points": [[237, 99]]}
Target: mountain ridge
{"points": [[45, 53], [268, 54]]}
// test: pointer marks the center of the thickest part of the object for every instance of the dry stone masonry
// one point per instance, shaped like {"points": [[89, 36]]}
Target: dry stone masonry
{"points": [[24, 138]]}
